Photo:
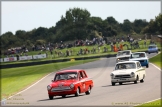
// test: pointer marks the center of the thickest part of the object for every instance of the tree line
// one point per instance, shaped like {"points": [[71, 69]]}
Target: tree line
{"points": [[79, 24]]}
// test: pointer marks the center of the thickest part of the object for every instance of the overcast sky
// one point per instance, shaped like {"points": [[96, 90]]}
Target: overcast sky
{"points": [[19, 15]]}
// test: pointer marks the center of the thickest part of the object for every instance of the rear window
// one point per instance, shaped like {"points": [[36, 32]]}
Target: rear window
{"points": [[120, 53], [137, 55]]}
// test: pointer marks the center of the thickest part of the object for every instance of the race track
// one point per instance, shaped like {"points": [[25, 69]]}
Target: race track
{"points": [[103, 93]]}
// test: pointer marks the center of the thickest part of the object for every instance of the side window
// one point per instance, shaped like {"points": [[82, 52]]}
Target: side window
{"points": [[138, 65], [81, 75], [84, 75]]}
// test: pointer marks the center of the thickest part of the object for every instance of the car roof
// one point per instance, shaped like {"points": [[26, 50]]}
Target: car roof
{"points": [[127, 62], [70, 70], [124, 50], [138, 52]]}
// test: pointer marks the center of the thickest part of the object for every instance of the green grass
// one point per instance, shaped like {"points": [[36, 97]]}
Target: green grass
{"points": [[16, 79], [156, 60], [156, 103]]}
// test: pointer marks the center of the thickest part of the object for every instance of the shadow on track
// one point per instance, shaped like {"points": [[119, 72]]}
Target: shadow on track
{"points": [[57, 98], [119, 85]]}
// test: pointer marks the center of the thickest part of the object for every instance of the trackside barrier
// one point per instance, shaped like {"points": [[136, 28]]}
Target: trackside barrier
{"points": [[10, 59], [1, 59], [39, 56], [25, 57]]}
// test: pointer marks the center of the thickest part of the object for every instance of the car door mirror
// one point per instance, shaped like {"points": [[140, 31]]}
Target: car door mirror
{"points": [[52, 80]]}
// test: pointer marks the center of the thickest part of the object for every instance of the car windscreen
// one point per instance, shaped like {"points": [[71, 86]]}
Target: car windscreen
{"points": [[125, 66], [137, 55], [152, 47], [66, 76], [123, 53]]}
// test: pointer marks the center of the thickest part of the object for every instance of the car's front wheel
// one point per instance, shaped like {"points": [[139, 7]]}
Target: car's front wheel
{"points": [[88, 91], [50, 97], [136, 80], [120, 83], [147, 66], [142, 80], [77, 92], [113, 83], [63, 96]]}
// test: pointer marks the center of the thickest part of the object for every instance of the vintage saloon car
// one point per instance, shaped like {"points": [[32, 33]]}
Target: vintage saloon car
{"points": [[123, 56], [152, 49], [70, 82], [128, 71], [141, 57]]}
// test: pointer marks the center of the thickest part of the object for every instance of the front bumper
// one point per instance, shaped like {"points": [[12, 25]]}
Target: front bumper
{"points": [[63, 92], [123, 80], [152, 51]]}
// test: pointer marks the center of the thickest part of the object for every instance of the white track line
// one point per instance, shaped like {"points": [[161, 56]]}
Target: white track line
{"points": [[148, 102], [156, 66], [28, 87]]}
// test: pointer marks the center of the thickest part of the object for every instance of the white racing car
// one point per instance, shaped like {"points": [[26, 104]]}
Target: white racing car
{"points": [[123, 55], [128, 71]]}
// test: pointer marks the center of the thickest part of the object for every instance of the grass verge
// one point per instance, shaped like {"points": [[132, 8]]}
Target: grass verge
{"points": [[156, 103], [157, 61], [14, 80]]}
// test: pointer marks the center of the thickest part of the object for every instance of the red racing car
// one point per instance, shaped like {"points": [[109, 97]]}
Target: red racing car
{"points": [[70, 82]]}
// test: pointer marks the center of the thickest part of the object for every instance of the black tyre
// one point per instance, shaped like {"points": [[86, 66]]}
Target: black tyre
{"points": [[149, 52], [77, 92], [147, 66], [113, 83], [142, 80], [88, 91], [136, 80], [50, 97], [120, 83], [157, 52], [63, 96]]}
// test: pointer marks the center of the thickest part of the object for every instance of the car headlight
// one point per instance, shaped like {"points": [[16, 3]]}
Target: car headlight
{"points": [[118, 59], [111, 74], [132, 74], [48, 87], [71, 85]]}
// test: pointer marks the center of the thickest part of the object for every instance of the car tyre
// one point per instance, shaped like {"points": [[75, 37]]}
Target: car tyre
{"points": [[149, 52], [63, 96], [77, 92], [147, 66], [88, 91], [136, 80], [120, 83], [142, 80], [50, 97], [113, 83]]}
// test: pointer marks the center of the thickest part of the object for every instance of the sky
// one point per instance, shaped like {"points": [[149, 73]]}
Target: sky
{"points": [[21, 15]]}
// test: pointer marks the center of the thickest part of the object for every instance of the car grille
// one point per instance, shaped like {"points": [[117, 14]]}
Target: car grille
{"points": [[122, 76], [62, 88]]}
